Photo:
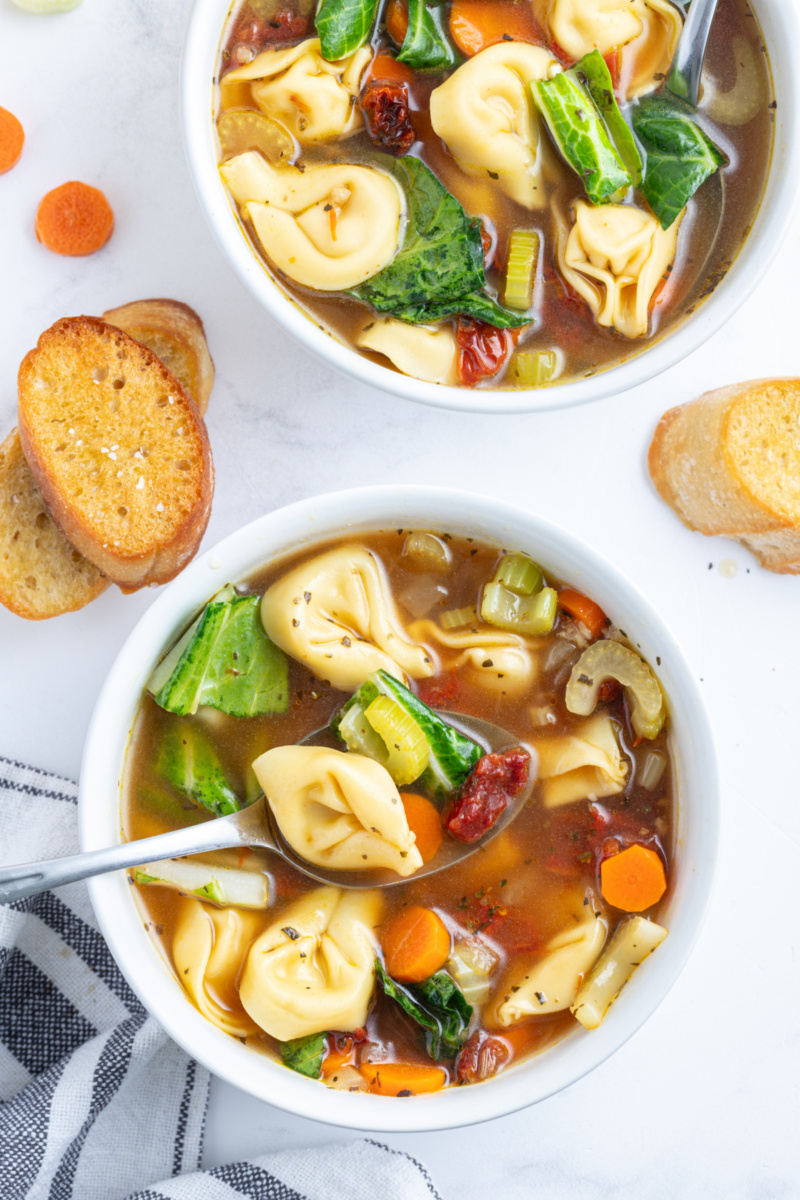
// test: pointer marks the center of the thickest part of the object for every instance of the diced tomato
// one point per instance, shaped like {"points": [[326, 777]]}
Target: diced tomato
{"points": [[486, 793], [439, 693], [613, 61], [483, 349]]}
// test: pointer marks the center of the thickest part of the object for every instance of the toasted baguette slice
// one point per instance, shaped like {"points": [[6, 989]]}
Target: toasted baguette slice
{"points": [[41, 575], [118, 450], [729, 463], [174, 333]]}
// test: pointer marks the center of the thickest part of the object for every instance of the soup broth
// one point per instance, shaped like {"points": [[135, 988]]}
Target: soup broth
{"points": [[505, 909], [567, 336]]}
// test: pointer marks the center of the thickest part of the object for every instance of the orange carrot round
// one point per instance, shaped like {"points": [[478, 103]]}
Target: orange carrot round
{"points": [[583, 609], [12, 138], [385, 68], [474, 24], [634, 879], [424, 820], [416, 944], [74, 219], [396, 19], [393, 1078]]}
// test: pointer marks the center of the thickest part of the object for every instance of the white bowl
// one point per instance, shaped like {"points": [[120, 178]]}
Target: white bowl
{"points": [[781, 30], [235, 558]]}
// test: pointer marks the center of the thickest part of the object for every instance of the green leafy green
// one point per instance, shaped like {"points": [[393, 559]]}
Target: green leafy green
{"points": [[305, 1054], [679, 155], [452, 755], [425, 46], [188, 761], [225, 661], [438, 270], [595, 75], [437, 1004], [579, 133], [343, 26]]}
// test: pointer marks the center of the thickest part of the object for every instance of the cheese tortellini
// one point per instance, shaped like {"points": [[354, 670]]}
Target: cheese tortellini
{"points": [[337, 810], [417, 350], [335, 614], [485, 115], [313, 968], [328, 227], [551, 984], [582, 764], [312, 98], [646, 31], [615, 256], [501, 662], [208, 950]]}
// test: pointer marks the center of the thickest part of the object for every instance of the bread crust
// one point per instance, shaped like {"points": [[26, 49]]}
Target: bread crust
{"points": [[63, 381], [175, 334]]}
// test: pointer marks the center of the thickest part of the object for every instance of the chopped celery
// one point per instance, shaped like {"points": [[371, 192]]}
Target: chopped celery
{"points": [[427, 551], [407, 746], [226, 661], [533, 368], [242, 129], [519, 574], [452, 756], [189, 762], [611, 660], [523, 248], [220, 885], [519, 614], [454, 618]]}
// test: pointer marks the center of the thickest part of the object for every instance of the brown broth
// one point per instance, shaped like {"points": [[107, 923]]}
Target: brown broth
{"points": [[717, 221], [513, 894]]}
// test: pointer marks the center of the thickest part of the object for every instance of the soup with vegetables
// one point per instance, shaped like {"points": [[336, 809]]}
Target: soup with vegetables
{"points": [[496, 193], [340, 683]]}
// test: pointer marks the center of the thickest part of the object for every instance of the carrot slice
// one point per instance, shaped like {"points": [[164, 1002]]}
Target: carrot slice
{"points": [[396, 19], [583, 609], [337, 1058], [474, 24], [12, 138], [634, 879], [406, 1079], [74, 219], [424, 820], [416, 944], [385, 68]]}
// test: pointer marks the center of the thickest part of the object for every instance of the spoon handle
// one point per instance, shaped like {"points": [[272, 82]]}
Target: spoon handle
{"points": [[29, 878], [684, 76]]}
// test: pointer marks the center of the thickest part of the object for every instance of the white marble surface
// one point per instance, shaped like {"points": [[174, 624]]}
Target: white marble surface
{"points": [[704, 1100]]}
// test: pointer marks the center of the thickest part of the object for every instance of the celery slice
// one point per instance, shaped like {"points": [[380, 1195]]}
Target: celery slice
{"points": [[519, 574], [358, 735], [534, 368], [408, 750], [220, 885], [523, 250], [242, 129], [519, 614], [455, 618], [611, 660]]}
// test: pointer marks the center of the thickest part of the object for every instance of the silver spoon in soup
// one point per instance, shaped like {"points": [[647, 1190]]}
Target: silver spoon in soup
{"points": [[257, 827]]}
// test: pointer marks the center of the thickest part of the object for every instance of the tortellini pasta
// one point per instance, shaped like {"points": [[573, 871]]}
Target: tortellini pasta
{"points": [[582, 764], [485, 115], [500, 662], [615, 255], [646, 31], [417, 350], [335, 613], [337, 810], [328, 227], [208, 949], [313, 969], [312, 98], [551, 983]]}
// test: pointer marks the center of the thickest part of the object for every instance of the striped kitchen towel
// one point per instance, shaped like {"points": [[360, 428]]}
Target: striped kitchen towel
{"points": [[96, 1102]]}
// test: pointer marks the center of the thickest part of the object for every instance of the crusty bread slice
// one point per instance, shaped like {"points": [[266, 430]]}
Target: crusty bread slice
{"points": [[174, 333], [41, 575], [118, 450], [729, 463]]}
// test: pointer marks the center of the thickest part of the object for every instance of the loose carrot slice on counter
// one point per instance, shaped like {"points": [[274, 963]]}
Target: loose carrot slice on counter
{"points": [[634, 879], [397, 21], [424, 820], [583, 609], [416, 944], [474, 24], [12, 138], [395, 1079], [74, 219]]}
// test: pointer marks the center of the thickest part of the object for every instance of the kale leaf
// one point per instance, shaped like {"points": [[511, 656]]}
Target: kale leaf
{"points": [[596, 77], [343, 26], [679, 155], [438, 1005], [305, 1054], [478, 305], [425, 46], [188, 761]]}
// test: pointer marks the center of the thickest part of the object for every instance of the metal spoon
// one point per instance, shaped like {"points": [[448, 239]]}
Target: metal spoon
{"points": [[256, 826], [687, 65]]}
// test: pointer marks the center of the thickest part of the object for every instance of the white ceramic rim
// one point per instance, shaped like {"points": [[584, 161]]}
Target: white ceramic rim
{"points": [[781, 29], [306, 523]]}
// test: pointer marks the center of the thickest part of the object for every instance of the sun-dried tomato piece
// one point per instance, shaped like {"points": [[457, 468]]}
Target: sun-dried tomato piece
{"points": [[482, 349], [480, 1058], [252, 34], [386, 112], [609, 690], [486, 793]]}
